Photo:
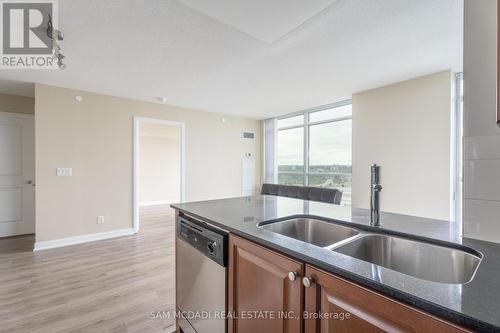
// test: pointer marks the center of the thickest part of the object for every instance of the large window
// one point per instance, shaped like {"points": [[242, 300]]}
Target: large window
{"points": [[314, 148]]}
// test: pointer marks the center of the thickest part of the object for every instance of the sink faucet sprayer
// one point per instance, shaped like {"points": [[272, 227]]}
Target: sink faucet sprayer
{"points": [[375, 196]]}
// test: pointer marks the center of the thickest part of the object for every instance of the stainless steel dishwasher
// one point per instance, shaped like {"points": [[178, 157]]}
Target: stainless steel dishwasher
{"points": [[201, 276]]}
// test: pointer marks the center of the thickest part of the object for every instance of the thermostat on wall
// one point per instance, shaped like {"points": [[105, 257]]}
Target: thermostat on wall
{"points": [[248, 135]]}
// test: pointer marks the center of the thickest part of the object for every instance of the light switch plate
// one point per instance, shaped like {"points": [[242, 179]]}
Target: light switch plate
{"points": [[64, 172]]}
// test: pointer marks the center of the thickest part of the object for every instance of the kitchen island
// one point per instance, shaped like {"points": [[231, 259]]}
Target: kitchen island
{"points": [[472, 305]]}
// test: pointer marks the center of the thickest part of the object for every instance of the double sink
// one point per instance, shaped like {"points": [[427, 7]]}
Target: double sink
{"points": [[421, 259]]}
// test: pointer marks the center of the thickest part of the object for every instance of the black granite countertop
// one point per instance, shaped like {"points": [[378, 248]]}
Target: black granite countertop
{"points": [[475, 305]]}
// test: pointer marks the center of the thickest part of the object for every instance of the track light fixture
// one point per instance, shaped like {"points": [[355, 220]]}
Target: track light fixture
{"points": [[56, 36]]}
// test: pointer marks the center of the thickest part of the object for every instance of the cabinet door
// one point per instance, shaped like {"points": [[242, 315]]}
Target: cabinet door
{"points": [[352, 308], [261, 296]]}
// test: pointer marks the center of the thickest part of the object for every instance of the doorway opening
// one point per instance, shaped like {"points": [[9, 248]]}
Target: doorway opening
{"points": [[159, 166]]}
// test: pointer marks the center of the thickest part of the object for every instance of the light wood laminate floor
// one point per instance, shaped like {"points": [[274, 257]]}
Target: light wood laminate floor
{"points": [[104, 286]]}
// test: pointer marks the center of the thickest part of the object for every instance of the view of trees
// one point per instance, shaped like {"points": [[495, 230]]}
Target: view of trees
{"points": [[341, 181]]}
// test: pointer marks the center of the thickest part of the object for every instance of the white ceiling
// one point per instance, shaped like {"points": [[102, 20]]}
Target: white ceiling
{"points": [[151, 48], [262, 19]]}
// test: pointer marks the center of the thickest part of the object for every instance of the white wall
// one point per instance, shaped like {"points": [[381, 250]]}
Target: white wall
{"points": [[95, 138], [159, 163], [17, 104], [405, 128], [481, 207]]}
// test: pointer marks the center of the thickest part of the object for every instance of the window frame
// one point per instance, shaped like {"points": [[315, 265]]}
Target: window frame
{"points": [[457, 154], [306, 126]]}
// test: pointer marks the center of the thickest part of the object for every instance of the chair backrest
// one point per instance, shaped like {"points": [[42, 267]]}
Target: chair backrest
{"points": [[329, 195]]}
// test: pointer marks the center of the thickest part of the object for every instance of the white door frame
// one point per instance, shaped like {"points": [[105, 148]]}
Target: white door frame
{"points": [[137, 122]]}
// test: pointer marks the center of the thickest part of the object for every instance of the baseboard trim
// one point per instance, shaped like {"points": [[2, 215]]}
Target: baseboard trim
{"points": [[52, 244], [159, 202]]}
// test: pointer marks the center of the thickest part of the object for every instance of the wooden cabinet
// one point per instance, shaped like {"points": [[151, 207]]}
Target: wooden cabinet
{"points": [[348, 307], [259, 284], [260, 293]]}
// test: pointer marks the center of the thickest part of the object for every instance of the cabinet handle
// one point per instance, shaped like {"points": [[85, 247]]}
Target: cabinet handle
{"points": [[307, 282], [292, 276]]}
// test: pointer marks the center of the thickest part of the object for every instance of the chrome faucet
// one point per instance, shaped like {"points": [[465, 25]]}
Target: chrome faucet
{"points": [[375, 196]]}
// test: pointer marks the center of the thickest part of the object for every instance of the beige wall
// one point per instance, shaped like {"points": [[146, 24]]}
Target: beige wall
{"points": [[481, 206], [17, 104], [405, 128], [94, 137], [160, 163]]}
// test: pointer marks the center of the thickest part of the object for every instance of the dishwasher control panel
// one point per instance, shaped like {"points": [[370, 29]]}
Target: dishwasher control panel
{"points": [[208, 240]]}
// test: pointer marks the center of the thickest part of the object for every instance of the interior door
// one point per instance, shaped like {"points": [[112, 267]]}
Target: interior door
{"points": [[17, 174]]}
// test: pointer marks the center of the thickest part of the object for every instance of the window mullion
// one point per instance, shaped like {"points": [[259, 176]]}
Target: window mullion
{"points": [[306, 148]]}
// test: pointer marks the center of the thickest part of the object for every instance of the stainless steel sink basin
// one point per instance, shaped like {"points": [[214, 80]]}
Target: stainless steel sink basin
{"points": [[422, 260], [317, 232]]}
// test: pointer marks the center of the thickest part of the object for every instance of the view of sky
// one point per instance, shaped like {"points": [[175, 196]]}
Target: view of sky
{"points": [[329, 144]]}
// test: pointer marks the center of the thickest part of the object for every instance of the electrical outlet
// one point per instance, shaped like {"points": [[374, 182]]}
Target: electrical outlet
{"points": [[100, 220]]}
